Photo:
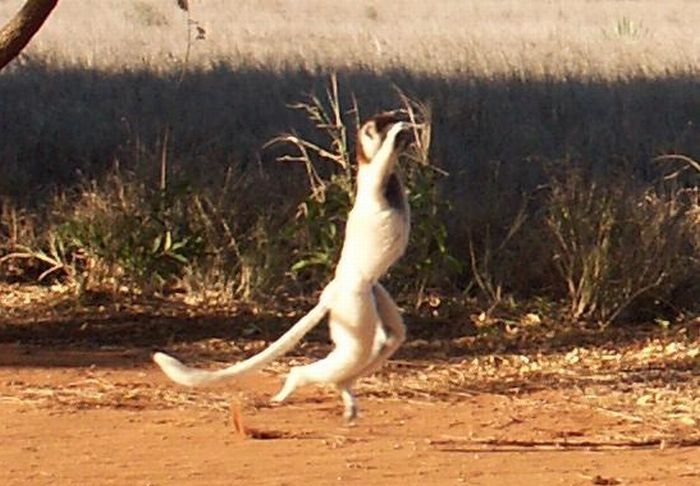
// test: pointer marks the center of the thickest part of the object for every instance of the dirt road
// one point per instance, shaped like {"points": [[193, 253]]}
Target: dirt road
{"points": [[109, 417]]}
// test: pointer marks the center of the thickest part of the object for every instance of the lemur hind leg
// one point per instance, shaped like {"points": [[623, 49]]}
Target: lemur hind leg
{"points": [[392, 322], [353, 321], [334, 369], [349, 403], [385, 345], [351, 408]]}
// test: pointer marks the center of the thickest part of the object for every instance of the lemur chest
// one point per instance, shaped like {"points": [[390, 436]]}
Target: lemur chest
{"points": [[376, 236], [387, 227]]}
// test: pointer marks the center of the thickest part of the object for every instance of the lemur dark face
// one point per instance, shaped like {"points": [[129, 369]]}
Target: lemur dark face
{"points": [[375, 131]]}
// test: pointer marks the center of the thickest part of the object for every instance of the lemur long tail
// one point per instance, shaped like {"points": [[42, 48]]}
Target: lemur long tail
{"points": [[188, 376]]}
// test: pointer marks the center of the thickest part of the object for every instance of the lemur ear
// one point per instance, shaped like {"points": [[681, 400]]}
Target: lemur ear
{"points": [[370, 129], [368, 142]]}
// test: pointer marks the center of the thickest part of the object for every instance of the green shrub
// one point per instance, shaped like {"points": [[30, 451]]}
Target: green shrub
{"points": [[320, 216]]}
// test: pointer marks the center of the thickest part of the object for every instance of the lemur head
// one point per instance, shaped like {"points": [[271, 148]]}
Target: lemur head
{"points": [[385, 127]]}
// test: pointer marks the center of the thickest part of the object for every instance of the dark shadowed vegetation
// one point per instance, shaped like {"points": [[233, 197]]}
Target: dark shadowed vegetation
{"points": [[551, 193]]}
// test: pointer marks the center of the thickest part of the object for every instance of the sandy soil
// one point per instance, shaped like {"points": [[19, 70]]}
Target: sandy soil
{"points": [[109, 417], [81, 403]]}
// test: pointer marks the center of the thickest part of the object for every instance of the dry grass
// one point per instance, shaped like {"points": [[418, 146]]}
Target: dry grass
{"points": [[605, 38], [519, 90], [651, 384], [646, 382], [98, 392]]}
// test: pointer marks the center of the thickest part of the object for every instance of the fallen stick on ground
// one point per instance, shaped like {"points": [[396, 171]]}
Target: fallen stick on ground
{"points": [[503, 445]]}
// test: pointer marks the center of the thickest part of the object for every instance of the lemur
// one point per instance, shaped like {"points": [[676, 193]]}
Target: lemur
{"points": [[365, 324]]}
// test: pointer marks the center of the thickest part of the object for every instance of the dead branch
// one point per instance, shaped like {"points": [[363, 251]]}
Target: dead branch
{"points": [[17, 33]]}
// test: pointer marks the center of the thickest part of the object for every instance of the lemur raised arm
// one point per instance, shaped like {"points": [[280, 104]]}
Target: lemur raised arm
{"points": [[365, 325]]}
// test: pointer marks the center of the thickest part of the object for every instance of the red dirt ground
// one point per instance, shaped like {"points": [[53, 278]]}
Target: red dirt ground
{"points": [[97, 424], [81, 403]]}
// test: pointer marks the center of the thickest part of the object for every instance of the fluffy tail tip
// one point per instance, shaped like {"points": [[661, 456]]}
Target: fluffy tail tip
{"points": [[163, 360], [175, 370]]}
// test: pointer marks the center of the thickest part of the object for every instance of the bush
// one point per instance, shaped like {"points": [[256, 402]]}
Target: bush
{"points": [[619, 244], [320, 217]]}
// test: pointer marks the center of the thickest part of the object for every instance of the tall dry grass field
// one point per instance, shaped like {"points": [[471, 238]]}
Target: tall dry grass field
{"points": [[605, 39], [548, 116]]}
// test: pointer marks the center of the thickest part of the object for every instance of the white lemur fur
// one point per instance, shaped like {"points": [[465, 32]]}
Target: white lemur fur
{"points": [[365, 324]]}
